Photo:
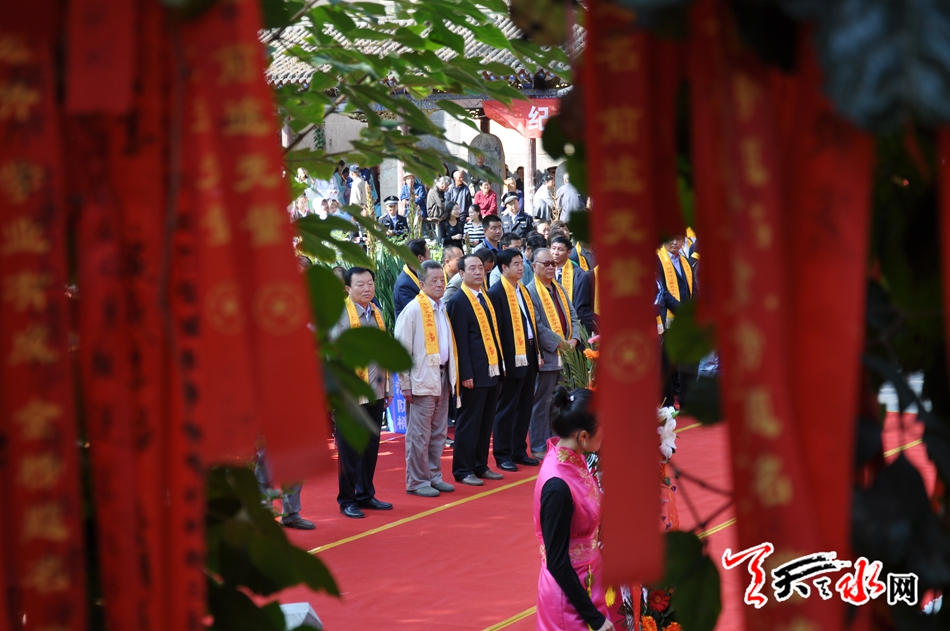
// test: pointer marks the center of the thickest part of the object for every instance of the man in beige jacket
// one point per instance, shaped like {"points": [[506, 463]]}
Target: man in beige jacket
{"points": [[429, 384]]}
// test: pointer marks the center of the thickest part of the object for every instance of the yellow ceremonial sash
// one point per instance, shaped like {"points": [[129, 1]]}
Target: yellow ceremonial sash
{"points": [[550, 312], [669, 273], [567, 278], [491, 349], [355, 323], [596, 291], [534, 318], [521, 354], [412, 275], [690, 234], [429, 329], [580, 258]]}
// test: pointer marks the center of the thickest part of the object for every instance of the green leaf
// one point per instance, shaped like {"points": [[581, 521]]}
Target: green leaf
{"points": [[364, 345], [234, 611], [695, 579], [702, 401], [286, 564], [327, 296], [553, 138], [687, 342]]}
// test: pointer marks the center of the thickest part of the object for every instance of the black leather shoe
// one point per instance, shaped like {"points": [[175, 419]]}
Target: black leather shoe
{"points": [[507, 466], [375, 504], [530, 462], [352, 510], [299, 524]]}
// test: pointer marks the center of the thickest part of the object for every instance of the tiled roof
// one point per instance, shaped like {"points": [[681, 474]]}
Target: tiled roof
{"points": [[286, 69]]}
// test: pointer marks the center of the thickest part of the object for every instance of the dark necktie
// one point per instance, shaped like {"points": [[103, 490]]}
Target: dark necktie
{"points": [[560, 310]]}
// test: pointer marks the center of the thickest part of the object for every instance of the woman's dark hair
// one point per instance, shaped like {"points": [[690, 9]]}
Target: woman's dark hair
{"points": [[449, 206], [570, 412], [474, 208]]}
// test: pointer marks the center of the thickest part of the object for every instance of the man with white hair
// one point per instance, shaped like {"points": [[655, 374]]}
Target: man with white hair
{"points": [[569, 199], [459, 194], [435, 201]]}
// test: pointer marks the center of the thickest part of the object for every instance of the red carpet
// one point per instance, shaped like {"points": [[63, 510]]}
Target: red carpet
{"points": [[469, 560]]}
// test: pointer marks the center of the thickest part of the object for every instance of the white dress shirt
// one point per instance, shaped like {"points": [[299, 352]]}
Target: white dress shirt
{"points": [[442, 329]]}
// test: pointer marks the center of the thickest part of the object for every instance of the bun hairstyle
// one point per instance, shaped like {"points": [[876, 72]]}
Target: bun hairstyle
{"points": [[570, 412]]}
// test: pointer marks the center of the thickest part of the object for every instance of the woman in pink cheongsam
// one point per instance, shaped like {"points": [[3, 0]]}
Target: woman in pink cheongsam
{"points": [[567, 521]]}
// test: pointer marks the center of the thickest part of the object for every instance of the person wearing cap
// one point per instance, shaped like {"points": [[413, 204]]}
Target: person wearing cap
{"points": [[357, 187], [515, 219], [486, 199], [414, 192], [394, 224], [511, 186], [544, 199]]}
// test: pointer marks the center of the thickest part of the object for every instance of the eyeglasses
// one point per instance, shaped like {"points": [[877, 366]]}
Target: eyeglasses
{"points": [[547, 263]]}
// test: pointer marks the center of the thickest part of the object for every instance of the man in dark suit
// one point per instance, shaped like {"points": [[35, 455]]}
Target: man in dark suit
{"points": [[393, 223], [583, 257], [480, 366], [676, 287], [576, 282], [513, 417], [407, 285]]}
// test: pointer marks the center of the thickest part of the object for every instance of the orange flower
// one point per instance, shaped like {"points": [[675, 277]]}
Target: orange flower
{"points": [[591, 354], [673, 626], [647, 623]]}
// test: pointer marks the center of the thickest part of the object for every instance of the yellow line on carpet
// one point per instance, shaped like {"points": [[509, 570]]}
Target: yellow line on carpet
{"points": [[913, 443], [510, 621], [715, 529], [683, 429], [431, 511]]}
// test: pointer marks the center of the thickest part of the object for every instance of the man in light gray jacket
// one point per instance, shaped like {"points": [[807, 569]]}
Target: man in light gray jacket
{"points": [[429, 384]]}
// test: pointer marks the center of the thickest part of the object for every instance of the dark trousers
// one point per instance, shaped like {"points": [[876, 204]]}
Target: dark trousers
{"points": [[291, 494], [515, 403], [357, 470], [473, 431]]}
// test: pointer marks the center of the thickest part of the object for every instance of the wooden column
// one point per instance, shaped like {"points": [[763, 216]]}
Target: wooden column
{"points": [[529, 170]]}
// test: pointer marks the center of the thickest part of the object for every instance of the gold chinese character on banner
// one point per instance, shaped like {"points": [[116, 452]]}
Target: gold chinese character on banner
{"points": [[20, 179], [617, 55], [626, 275], [623, 226], [254, 170], [246, 118], [621, 125], [264, 223], [773, 487], [16, 101], [36, 419], [201, 117], [44, 521], [14, 50], [216, 222], [623, 175], [763, 231], [23, 235], [751, 344], [746, 94], [753, 169], [760, 415], [209, 175], [47, 575], [26, 290], [237, 63], [40, 472], [742, 274], [32, 345]]}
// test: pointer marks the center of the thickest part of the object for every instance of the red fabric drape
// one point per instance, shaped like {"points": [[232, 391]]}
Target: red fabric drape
{"points": [[620, 161], [42, 513], [528, 118], [100, 57]]}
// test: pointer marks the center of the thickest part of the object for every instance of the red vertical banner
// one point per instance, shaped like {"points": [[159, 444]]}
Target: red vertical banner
{"points": [[826, 236], [104, 353], [43, 508], [139, 178], [100, 59], [773, 497], [620, 142], [226, 54]]}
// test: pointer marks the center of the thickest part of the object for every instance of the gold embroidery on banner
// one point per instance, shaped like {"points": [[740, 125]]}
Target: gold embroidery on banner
{"points": [[753, 169], [759, 413], [623, 175], [209, 175], [16, 101], [40, 472], [216, 222], [742, 273], [246, 117], [625, 277], [32, 345], [14, 50], [201, 121], [751, 345], [279, 308], [746, 94], [237, 63], [44, 521], [254, 169], [223, 308], [772, 487], [23, 235], [618, 55], [624, 226], [621, 125], [265, 225], [20, 179], [628, 356], [36, 419], [47, 575], [26, 290]]}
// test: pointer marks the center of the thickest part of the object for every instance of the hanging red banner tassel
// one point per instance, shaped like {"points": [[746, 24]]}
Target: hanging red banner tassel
{"points": [[620, 161], [43, 508], [773, 502], [826, 236], [101, 59], [139, 178], [104, 358], [227, 57]]}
